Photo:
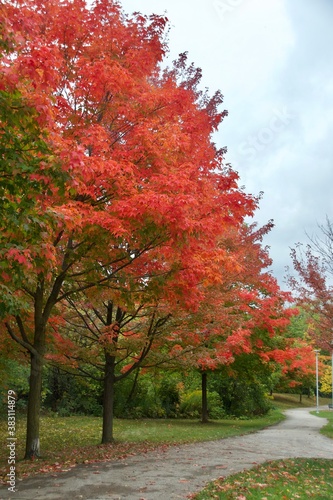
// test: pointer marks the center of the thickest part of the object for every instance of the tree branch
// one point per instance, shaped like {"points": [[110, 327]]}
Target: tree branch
{"points": [[27, 345]]}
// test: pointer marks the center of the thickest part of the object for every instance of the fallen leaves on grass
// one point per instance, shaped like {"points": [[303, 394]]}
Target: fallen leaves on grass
{"points": [[284, 479], [63, 462]]}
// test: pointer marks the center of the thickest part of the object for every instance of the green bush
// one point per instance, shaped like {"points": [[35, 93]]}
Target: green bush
{"points": [[148, 396], [14, 376], [242, 398], [191, 405], [137, 398], [67, 394], [169, 393]]}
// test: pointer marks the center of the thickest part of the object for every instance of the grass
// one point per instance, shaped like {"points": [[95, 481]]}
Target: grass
{"points": [[327, 430], [66, 441], [300, 478], [285, 401]]}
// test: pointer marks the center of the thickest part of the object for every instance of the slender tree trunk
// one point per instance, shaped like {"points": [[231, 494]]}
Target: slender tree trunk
{"points": [[204, 410], [32, 449], [109, 375], [37, 355], [134, 385], [108, 399], [54, 384]]}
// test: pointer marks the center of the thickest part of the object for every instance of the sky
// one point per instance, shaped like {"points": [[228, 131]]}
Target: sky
{"points": [[273, 62]]}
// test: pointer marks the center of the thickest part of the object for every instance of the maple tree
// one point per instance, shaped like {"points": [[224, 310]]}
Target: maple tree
{"points": [[24, 154], [312, 285], [106, 342], [145, 191], [243, 319], [326, 382], [296, 369]]}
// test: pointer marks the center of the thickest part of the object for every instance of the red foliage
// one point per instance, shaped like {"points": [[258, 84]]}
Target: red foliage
{"points": [[313, 288]]}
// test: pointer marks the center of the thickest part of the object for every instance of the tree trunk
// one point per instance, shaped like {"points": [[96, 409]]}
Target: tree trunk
{"points": [[134, 385], [204, 409], [54, 385], [32, 448], [108, 399], [109, 375]]}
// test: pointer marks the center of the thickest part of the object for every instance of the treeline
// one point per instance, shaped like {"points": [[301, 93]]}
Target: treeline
{"points": [[154, 394]]}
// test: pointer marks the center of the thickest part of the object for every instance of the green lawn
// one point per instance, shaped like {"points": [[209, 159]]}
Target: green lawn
{"points": [[327, 430], [285, 401], [300, 478]]}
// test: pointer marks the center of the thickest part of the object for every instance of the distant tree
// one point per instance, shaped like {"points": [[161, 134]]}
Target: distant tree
{"points": [[326, 381], [242, 317], [313, 284], [297, 374]]}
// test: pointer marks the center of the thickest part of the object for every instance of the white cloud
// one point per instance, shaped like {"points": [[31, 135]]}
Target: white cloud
{"points": [[268, 58]]}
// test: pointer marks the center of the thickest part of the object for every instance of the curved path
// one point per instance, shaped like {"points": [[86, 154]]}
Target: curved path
{"points": [[179, 470]]}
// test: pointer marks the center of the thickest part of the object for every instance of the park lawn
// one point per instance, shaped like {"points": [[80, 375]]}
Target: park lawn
{"points": [[67, 441], [299, 478], [286, 401], [327, 430]]}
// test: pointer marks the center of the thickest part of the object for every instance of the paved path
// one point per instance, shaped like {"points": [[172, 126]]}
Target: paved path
{"points": [[179, 470]]}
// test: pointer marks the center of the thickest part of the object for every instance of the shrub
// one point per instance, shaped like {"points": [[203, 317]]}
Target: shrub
{"points": [[148, 397], [67, 394], [242, 398], [14, 376], [191, 405], [169, 393]]}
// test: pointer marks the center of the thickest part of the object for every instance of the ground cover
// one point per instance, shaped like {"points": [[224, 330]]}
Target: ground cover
{"points": [[300, 478], [285, 401], [327, 430]]}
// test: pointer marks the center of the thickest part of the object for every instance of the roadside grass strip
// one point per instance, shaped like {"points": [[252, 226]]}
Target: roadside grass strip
{"points": [[327, 430], [299, 478]]}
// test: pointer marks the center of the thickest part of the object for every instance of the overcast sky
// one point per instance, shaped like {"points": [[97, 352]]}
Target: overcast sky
{"points": [[273, 62]]}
